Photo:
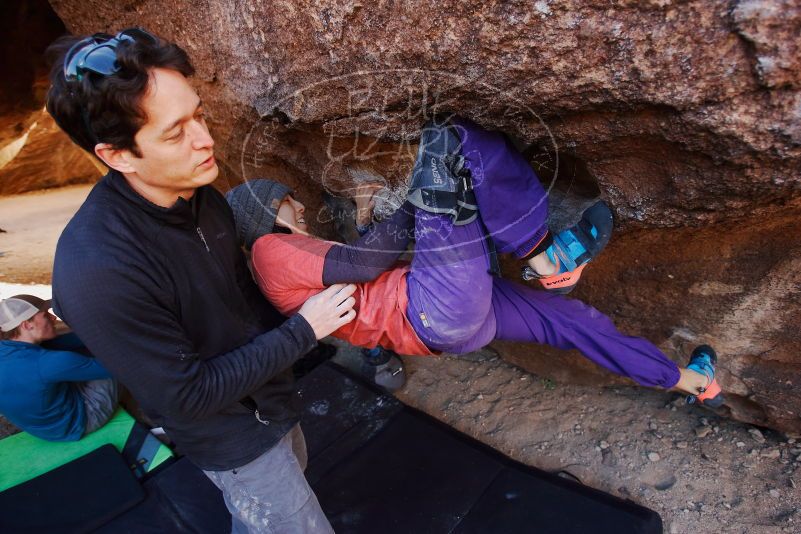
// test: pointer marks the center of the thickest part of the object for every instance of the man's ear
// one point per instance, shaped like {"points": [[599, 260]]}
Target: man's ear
{"points": [[115, 158]]}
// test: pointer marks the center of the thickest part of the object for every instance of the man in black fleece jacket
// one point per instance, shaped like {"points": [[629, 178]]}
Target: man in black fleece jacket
{"points": [[150, 275]]}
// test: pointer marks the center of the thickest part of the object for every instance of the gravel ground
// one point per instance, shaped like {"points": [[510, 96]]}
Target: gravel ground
{"points": [[6, 428]]}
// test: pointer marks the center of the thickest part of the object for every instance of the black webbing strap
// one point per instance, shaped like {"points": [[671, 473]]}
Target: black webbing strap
{"points": [[136, 439], [492, 252]]}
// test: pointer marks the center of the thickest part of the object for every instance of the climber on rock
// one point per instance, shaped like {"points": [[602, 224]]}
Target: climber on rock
{"points": [[471, 193]]}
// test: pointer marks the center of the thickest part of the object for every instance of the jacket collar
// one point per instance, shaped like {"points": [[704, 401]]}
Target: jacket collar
{"points": [[13, 343], [182, 213]]}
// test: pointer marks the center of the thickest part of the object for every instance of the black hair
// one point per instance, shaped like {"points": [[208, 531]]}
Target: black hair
{"points": [[107, 109]]}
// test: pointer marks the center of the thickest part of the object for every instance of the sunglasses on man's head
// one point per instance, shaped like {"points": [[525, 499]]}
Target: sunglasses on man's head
{"points": [[98, 53]]}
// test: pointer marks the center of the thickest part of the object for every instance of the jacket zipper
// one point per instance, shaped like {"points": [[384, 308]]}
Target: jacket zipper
{"points": [[248, 401], [203, 238]]}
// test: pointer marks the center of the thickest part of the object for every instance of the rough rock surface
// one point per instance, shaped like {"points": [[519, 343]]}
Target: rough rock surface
{"points": [[43, 156], [34, 153], [685, 115]]}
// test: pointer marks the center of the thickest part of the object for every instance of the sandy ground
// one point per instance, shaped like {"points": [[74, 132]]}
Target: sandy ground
{"points": [[32, 223], [702, 473]]}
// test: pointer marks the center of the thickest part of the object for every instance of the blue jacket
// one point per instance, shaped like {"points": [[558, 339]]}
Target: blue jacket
{"points": [[37, 386], [164, 299]]}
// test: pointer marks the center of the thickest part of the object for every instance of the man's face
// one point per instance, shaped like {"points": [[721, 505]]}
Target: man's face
{"points": [[177, 152], [43, 326]]}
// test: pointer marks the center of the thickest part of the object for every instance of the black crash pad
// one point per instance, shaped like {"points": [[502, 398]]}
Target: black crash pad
{"points": [[180, 498], [76, 497], [379, 466]]}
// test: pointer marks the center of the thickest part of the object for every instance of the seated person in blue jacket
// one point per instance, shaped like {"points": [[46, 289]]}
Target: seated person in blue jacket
{"points": [[47, 387]]}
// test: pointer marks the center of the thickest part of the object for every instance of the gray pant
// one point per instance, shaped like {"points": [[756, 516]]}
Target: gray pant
{"points": [[100, 400], [270, 494]]}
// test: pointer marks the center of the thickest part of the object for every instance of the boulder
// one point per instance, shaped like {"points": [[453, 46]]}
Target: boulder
{"points": [[42, 157], [34, 153], [685, 116]]}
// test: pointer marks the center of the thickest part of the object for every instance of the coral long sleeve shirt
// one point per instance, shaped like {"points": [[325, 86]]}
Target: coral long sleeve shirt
{"points": [[295, 265]]}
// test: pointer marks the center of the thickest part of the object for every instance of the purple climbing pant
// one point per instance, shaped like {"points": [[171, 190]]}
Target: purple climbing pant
{"points": [[456, 306]]}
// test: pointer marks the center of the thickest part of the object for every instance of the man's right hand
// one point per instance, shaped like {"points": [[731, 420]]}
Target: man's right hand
{"points": [[329, 309]]}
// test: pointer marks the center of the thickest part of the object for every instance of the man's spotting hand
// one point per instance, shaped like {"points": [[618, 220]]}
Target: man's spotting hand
{"points": [[331, 308]]}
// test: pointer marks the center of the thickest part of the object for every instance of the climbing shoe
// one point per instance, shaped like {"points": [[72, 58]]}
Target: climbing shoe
{"points": [[572, 249], [440, 181], [703, 361]]}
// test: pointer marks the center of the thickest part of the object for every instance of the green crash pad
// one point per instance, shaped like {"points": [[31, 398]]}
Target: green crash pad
{"points": [[24, 457]]}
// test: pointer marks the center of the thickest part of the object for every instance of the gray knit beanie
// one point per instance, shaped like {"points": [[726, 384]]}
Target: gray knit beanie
{"points": [[255, 205]]}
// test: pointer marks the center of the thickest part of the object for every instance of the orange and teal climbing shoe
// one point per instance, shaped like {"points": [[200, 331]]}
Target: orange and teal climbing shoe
{"points": [[572, 249], [703, 361]]}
